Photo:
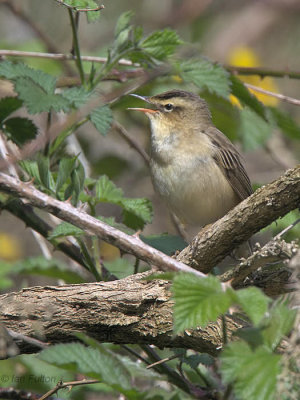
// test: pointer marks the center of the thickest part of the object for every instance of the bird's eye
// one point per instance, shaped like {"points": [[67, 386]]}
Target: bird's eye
{"points": [[168, 107]]}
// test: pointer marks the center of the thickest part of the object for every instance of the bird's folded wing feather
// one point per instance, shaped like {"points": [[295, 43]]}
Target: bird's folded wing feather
{"points": [[229, 160]]}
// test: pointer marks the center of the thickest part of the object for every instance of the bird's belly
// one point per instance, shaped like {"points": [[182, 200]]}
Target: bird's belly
{"points": [[197, 193]]}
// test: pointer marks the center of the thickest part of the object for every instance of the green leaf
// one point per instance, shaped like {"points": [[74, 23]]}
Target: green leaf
{"points": [[166, 243], [253, 336], [96, 362], [198, 301], [77, 96], [19, 130], [44, 172], [277, 324], [14, 72], [31, 168], [252, 373], [102, 119], [5, 269], [66, 166], [239, 90], [119, 267], [253, 302], [205, 75], [195, 359], [106, 191], [254, 131], [37, 99], [161, 44], [123, 23], [65, 229], [136, 212], [77, 178], [285, 123], [52, 268], [8, 105]]}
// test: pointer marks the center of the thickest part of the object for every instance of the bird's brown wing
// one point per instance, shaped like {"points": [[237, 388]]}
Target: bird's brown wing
{"points": [[229, 160]]}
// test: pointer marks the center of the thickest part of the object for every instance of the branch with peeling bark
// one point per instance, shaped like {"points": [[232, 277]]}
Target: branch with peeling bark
{"points": [[106, 311]]}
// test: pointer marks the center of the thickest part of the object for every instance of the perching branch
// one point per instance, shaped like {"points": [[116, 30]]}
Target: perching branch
{"points": [[268, 203], [209, 247], [65, 211], [129, 310]]}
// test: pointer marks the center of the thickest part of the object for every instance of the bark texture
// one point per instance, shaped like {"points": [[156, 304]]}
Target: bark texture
{"points": [[267, 204], [130, 310]]}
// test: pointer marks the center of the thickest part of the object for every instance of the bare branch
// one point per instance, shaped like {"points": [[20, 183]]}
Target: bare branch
{"points": [[272, 94], [62, 385]]}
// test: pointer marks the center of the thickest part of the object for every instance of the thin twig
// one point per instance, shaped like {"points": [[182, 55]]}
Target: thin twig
{"points": [[288, 99], [61, 56], [27, 339], [163, 361], [62, 385], [77, 9], [123, 132], [262, 72], [288, 228]]}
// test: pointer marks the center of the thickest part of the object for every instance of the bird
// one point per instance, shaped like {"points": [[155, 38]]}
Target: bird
{"points": [[194, 167]]}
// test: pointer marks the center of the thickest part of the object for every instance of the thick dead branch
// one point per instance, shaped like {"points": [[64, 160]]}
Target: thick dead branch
{"points": [[267, 204], [130, 310]]}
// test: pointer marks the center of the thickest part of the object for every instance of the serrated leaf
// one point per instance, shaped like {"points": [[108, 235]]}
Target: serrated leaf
{"points": [[277, 324], [123, 22], [97, 362], [205, 75], [16, 71], [37, 99], [41, 266], [161, 44], [77, 96], [8, 105], [19, 130], [252, 373], [166, 243], [198, 301], [253, 302], [106, 191], [254, 131], [66, 166], [239, 90], [285, 123], [136, 212], [102, 119], [119, 267], [65, 229]]}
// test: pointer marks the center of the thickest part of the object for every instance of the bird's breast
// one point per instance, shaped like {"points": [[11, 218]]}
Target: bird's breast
{"points": [[193, 186]]}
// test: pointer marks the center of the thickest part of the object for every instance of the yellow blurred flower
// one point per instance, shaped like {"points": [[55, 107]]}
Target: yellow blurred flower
{"points": [[246, 57], [10, 248]]}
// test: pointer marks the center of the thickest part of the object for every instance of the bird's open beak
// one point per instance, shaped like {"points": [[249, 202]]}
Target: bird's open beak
{"points": [[145, 110]]}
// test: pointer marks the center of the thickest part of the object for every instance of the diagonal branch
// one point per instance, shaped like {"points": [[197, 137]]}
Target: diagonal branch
{"points": [[65, 211], [209, 247], [268, 203]]}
